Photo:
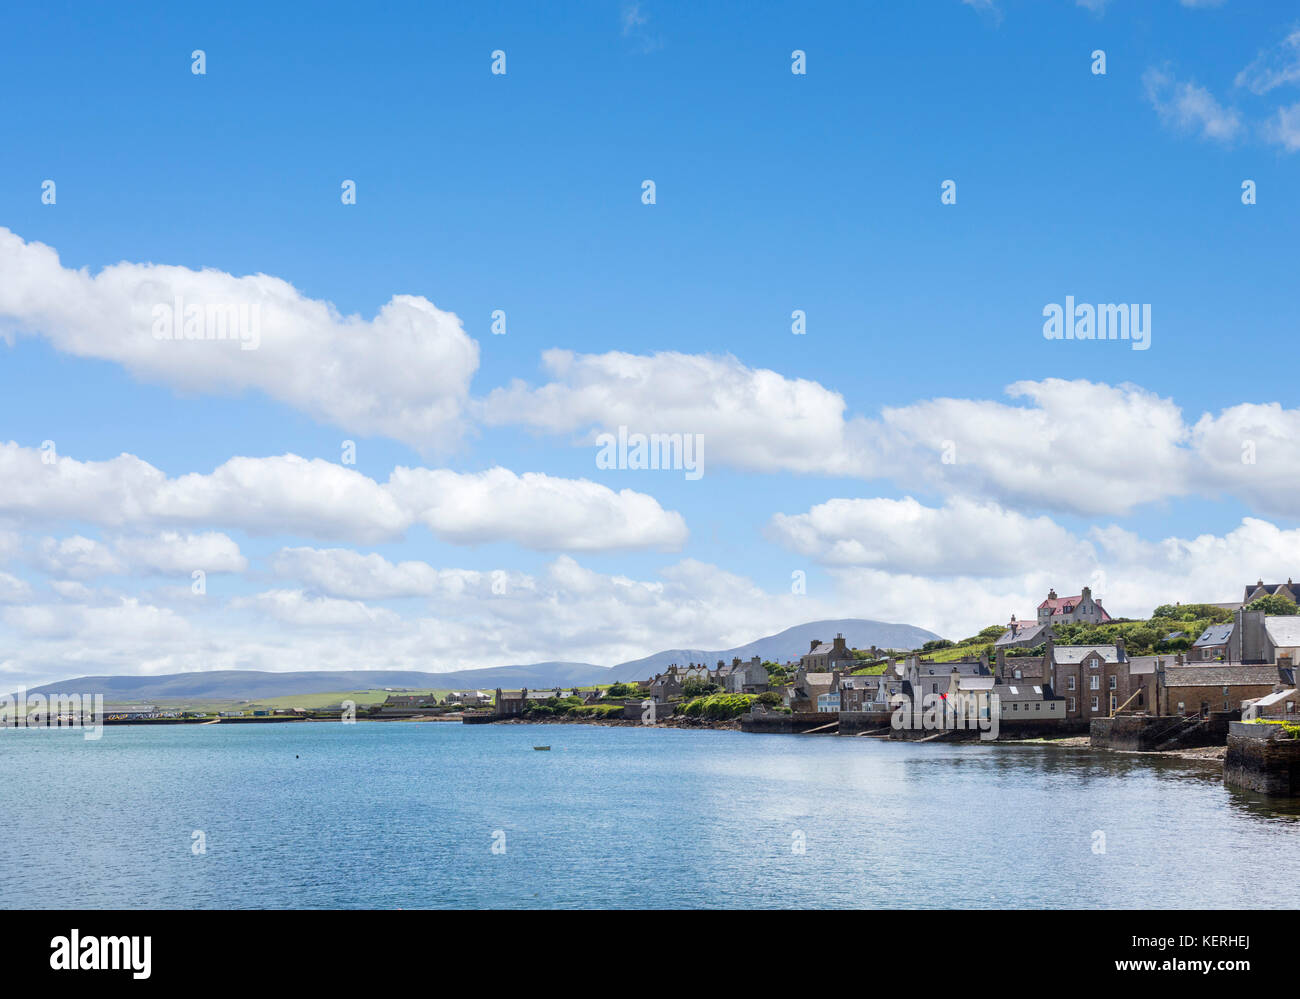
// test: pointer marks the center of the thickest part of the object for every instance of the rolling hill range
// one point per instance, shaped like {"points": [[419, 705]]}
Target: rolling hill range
{"points": [[251, 684], [788, 644]]}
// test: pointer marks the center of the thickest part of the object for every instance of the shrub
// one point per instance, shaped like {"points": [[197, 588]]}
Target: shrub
{"points": [[698, 688], [719, 707], [621, 690]]}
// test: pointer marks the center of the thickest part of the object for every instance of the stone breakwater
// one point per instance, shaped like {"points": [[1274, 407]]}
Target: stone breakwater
{"points": [[1260, 759]]}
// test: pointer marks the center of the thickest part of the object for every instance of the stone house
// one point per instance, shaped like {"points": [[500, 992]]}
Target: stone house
{"points": [[1212, 644], [1028, 703], [824, 658], [807, 687], [469, 698], [1289, 590], [829, 701], [1187, 690], [1024, 634], [1260, 639], [1068, 610], [1094, 680], [747, 678], [1013, 668], [868, 693]]}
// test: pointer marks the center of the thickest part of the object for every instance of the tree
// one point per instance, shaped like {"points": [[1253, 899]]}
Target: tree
{"points": [[699, 688], [1274, 604]]}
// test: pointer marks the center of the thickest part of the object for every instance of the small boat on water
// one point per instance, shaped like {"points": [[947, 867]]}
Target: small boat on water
{"points": [[540, 748]]}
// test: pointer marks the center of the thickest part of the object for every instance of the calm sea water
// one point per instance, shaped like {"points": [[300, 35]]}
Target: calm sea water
{"points": [[403, 815]]}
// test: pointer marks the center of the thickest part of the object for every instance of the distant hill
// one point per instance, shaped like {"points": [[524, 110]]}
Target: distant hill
{"points": [[786, 645], [254, 684]]}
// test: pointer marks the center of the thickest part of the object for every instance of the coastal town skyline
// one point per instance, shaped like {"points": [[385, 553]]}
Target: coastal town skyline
{"points": [[474, 366]]}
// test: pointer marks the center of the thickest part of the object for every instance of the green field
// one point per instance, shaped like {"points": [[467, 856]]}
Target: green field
{"points": [[310, 702]]}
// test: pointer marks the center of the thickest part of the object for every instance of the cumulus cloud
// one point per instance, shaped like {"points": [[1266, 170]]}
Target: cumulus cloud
{"points": [[181, 552], [404, 374], [1076, 445], [293, 495], [904, 573], [296, 609], [330, 618], [1063, 445], [751, 418], [904, 536]]}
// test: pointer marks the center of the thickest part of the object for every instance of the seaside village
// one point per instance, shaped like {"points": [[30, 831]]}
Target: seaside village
{"points": [[1233, 685]]}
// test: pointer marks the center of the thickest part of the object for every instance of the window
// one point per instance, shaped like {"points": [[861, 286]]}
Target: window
{"points": [[1094, 683], [1037, 706], [1094, 704], [1018, 676], [1094, 664], [1069, 684], [1225, 691], [1112, 682], [1071, 705]]}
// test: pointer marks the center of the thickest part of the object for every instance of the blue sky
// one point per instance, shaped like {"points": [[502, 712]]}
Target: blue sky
{"points": [[522, 192]]}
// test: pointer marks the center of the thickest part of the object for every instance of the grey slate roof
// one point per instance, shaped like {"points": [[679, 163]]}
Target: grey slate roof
{"points": [[1019, 692], [1077, 653], [1223, 676], [1215, 634], [1030, 633]]}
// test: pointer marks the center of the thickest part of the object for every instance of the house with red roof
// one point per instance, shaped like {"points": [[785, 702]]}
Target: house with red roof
{"points": [[1068, 610]]}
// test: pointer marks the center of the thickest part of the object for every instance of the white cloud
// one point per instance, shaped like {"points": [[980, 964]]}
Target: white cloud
{"points": [[896, 577], [296, 609], [989, 7], [565, 612], [404, 374], [177, 552], [1273, 67], [1189, 107], [753, 419], [76, 557], [1078, 446], [342, 572], [1284, 127], [534, 510], [904, 536], [1072, 446], [293, 495], [13, 590]]}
